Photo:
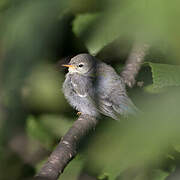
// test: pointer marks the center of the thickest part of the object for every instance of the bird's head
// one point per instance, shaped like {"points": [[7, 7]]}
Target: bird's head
{"points": [[81, 64]]}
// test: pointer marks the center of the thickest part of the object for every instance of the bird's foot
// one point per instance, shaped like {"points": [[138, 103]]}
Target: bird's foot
{"points": [[79, 113]]}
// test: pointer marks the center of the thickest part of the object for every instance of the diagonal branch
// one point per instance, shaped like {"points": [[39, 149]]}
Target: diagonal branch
{"points": [[67, 148], [133, 63]]}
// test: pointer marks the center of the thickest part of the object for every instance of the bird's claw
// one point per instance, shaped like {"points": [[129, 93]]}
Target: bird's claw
{"points": [[79, 113]]}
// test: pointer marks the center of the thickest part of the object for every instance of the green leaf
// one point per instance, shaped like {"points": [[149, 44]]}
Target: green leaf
{"points": [[84, 26], [103, 176], [163, 76], [38, 132], [3, 3], [82, 23], [73, 169], [137, 142], [58, 125], [42, 90], [159, 174]]}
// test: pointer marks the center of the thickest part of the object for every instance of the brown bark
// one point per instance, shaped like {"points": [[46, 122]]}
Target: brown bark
{"points": [[67, 148], [133, 63]]}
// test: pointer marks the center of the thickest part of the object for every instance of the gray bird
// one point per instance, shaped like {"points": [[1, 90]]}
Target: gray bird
{"points": [[93, 87]]}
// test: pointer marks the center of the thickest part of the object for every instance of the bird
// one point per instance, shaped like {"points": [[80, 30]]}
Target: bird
{"points": [[93, 87]]}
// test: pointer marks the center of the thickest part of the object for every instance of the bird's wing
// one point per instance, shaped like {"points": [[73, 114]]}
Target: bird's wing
{"points": [[122, 104], [106, 108], [112, 93], [116, 104]]}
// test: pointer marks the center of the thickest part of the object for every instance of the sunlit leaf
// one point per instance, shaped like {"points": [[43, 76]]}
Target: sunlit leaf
{"points": [[164, 76], [84, 24]]}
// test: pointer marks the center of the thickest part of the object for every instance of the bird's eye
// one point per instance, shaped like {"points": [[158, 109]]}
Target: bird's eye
{"points": [[81, 65]]}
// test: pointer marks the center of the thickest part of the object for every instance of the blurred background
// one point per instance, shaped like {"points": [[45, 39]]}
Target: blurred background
{"points": [[37, 36]]}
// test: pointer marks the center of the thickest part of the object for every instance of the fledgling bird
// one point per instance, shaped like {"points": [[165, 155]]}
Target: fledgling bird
{"points": [[93, 87]]}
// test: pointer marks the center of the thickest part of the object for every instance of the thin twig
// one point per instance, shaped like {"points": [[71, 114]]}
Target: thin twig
{"points": [[67, 148], [133, 63]]}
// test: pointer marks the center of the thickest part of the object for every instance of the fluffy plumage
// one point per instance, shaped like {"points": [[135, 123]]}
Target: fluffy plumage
{"points": [[93, 87]]}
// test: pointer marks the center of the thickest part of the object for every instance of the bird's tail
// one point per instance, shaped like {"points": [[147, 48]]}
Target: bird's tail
{"points": [[125, 106]]}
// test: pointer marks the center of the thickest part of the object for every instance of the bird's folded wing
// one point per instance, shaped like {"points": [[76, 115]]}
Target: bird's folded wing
{"points": [[116, 105], [105, 107], [123, 105]]}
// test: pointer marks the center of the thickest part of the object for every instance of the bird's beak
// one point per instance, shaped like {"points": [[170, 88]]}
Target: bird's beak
{"points": [[68, 65]]}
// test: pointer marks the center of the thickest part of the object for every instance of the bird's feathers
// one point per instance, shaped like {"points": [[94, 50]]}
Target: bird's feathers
{"points": [[100, 90], [80, 85]]}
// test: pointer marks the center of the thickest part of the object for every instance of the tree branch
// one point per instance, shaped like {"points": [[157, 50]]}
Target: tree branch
{"points": [[67, 148], [133, 63]]}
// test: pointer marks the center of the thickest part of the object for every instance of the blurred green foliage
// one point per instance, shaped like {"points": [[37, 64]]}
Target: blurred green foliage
{"points": [[37, 35], [163, 76]]}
